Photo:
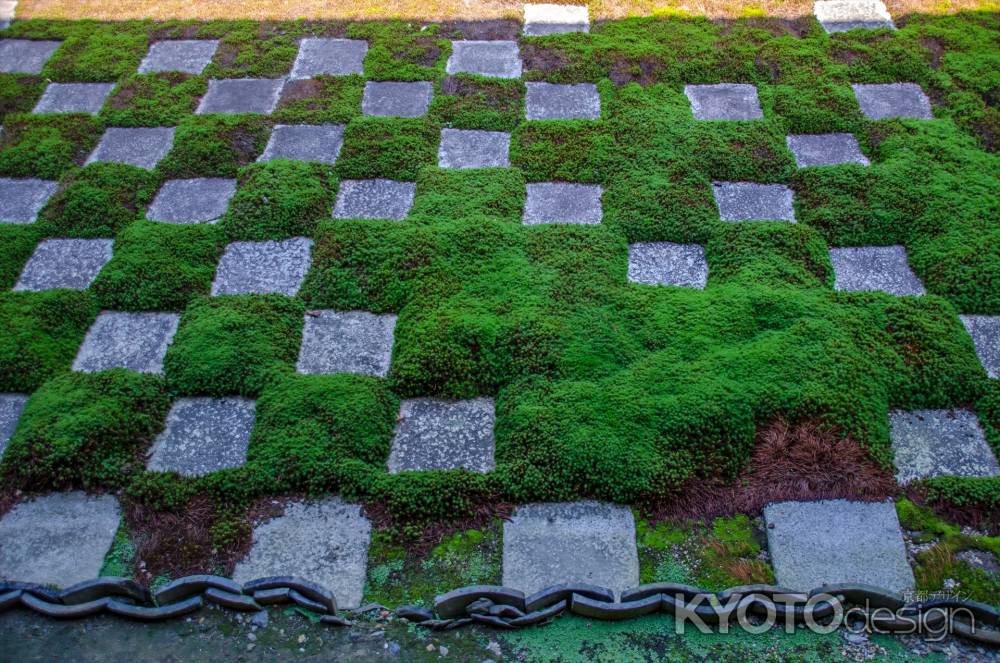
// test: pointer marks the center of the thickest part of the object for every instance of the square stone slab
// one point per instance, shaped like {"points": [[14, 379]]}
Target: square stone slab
{"points": [[305, 142], [136, 341], [545, 101], [189, 56], [880, 102], [499, 59], [666, 263], [834, 541], [985, 333], [346, 342], [65, 263], [548, 19], [325, 542], [433, 434], [396, 99], [937, 443], [562, 202], [58, 539], [203, 435], [25, 56], [374, 199], [825, 150], [22, 199], [140, 147], [844, 15], [552, 544], [748, 201], [869, 268], [11, 407], [263, 267], [724, 101], [461, 148], [330, 57], [73, 98], [241, 95], [199, 200]]}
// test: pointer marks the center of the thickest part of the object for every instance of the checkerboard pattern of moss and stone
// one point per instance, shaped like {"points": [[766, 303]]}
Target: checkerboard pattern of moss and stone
{"points": [[247, 191]]}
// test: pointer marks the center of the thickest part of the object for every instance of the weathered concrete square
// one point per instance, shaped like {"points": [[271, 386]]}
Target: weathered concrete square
{"points": [[749, 201], [374, 199], [346, 342], [433, 434], [305, 142], [825, 150], [844, 15], [836, 541], [666, 263], [985, 333], [545, 101], [871, 268], [25, 56], [140, 147], [241, 95], [22, 199], [73, 98], [11, 407], [562, 202], [136, 341], [499, 59], [199, 200], [396, 99], [549, 19], [203, 435], [724, 101], [937, 443], [325, 542], [881, 102], [463, 148], [188, 56], [263, 267], [330, 57], [552, 544], [65, 263]]}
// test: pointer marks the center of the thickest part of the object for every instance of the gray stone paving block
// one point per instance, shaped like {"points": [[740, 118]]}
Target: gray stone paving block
{"points": [[463, 148], [22, 199], [136, 341], [203, 435], [65, 263], [666, 263], [545, 101], [843, 15], [263, 267], [870, 268], [198, 200], [346, 342], [576, 542], [325, 542], [58, 539], [549, 19], [396, 99], [374, 199], [724, 101], [748, 201], [330, 57], [73, 98], [880, 102], [25, 56], [241, 95], [11, 407], [141, 147], [836, 541], [562, 202], [305, 142], [935, 443], [433, 434], [499, 59], [189, 56], [825, 150], [985, 333]]}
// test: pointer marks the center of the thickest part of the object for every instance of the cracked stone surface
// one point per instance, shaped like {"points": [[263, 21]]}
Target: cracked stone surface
{"points": [[65, 263], [464, 148], [135, 341], [546, 101], [844, 15], [189, 56], [199, 200], [985, 333], [825, 150], [834, 541], [374, 199], [555, 543], [434, 434], [346, 342], [325, 542], [263, 267], [329, 57], [396, 99], [305, 142], [548, 19], [871, 268], [748, 201], [666, 263], [935, 443], [58, 539], [22, 199], [25, 56], [11, 407], [73, 98], [241, 95], [724, 101], [562, 202], [499, 59], [140, 147], [204, 435], [880, 102]]}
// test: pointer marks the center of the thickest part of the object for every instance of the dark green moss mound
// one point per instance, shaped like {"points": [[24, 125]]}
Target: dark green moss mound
{"points": [[154, 100], [393, 148], [473, 102], [19, 242], [98, 201], [320, 100], [46, 147], [215, 145]]}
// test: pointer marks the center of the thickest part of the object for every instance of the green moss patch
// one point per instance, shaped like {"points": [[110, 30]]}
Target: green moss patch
{"points": [[473, 102], [393, 148], [320, 100], [46, 146], [98, 201], [215, 146], [154, 100]]}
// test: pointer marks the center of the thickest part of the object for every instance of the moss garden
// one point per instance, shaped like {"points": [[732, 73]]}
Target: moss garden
{"points": [[604, 388]]}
